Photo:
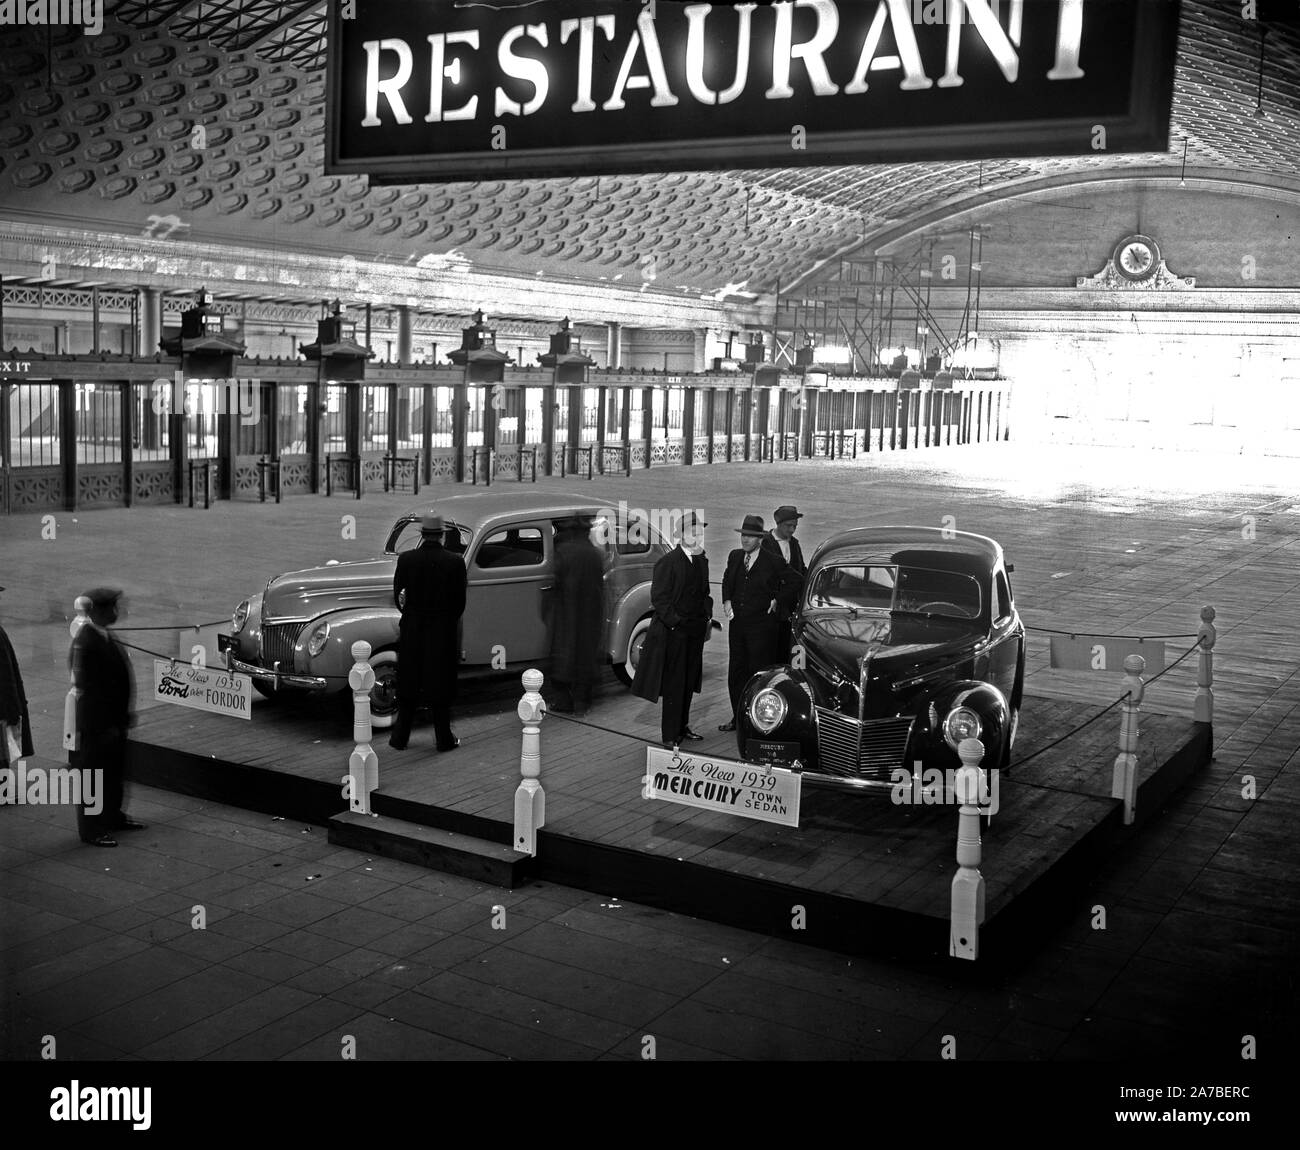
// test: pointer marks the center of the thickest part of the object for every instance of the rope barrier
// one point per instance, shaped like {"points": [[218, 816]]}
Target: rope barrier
{"points": [[595, 726], [1110, 707], [178, 626], [1075, 731], [1136, 638]]}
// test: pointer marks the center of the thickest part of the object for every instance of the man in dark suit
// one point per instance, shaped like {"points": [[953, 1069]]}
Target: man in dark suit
{"points": [[101, 672], [780, 541], [429, 588], [15, 721], [672, 660], [575, 616], [756, 586]]}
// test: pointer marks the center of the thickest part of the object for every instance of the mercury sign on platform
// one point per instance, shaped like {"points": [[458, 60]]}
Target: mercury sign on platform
{"points": [[421, 90], [203, 688], [770, 794]]}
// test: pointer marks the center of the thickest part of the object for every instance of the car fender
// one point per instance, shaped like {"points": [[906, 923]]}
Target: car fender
{"points": [[928, 743], [378, 626], [247, 642], [631, 606], [800, 723]]}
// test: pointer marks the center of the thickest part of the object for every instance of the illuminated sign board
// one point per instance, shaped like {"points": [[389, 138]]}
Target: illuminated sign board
{"points": [[427, 90]]}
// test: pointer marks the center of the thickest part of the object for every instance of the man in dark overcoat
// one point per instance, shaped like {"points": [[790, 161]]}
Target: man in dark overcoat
{"points": [[576, 612], [14, 716], [429, 588], [756, 587], [102, 674], [672, 659], [780, 541]]}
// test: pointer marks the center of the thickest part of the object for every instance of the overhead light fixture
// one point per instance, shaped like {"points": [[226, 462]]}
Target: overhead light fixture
{"points": [[1182, 178]]}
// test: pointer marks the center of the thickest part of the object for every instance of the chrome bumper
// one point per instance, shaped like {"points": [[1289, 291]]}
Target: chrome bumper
{"points": [[276, 678]]}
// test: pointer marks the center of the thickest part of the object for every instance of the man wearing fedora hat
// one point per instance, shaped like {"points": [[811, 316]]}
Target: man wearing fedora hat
{"points": [[101, 672], [429, 588], [780, 541], [756, 587], [671, 665]]}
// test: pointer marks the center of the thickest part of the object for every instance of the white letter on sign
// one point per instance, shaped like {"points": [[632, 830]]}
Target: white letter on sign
{"points": [[390, 89], [654, 58], [914, 77], [784, 50], [522, 68], [696, 14], [440, 69], [1069, 36], [986, 24], [586, 29]]}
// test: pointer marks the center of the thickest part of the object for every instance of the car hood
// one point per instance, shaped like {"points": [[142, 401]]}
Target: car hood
{"points": [[898, 644], [315, 591]]}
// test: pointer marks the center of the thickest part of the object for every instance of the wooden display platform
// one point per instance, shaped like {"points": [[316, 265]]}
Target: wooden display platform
{"points": [[870, 875]]}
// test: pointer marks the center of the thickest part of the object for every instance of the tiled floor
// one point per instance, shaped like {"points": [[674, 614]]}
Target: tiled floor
{"points": [[305, 944]]}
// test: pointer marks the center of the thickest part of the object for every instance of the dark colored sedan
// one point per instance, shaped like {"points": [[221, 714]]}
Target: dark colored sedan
{"points": [[907, 641]]}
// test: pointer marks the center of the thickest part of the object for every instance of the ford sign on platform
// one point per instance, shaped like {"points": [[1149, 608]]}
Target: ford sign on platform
{"points": [[421, 90]]}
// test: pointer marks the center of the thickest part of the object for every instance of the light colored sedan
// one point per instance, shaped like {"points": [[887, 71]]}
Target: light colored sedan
{"points": [[297, 633]]}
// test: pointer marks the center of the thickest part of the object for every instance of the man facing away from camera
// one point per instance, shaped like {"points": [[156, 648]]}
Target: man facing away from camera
{"points": [[101, 672], [575, 609], [671, 665], [429, 589]]}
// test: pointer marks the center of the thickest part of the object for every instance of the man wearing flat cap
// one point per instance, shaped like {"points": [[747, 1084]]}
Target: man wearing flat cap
{"points": [[15, 722], [671, 665], [429, 589], [781, 542], [756, 587], [101, 672]]}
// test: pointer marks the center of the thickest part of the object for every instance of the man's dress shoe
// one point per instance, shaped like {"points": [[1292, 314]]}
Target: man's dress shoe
{"points": [[131, 825], [687, 733], [103, 841], [731, 726]]}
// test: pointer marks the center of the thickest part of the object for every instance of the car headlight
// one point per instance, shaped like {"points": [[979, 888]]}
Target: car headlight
{"points": [[240, 617], [767, 710], [961, 723], [317, 639]]}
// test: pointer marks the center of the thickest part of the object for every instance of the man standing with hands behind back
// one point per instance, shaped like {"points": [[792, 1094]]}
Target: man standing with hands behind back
{"points": [[755, 588], [672, 658], [429, 588], [781, 541]]}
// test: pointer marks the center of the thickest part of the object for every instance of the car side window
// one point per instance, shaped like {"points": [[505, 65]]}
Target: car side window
{"points": [[634, 536], [1004, 595], [513, 547]]}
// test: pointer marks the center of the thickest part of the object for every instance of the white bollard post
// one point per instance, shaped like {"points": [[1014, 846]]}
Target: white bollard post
{"points": [[363, 764], [1124, 778], [1206, 636], [967, 915], [71, 736], [530, 799]]}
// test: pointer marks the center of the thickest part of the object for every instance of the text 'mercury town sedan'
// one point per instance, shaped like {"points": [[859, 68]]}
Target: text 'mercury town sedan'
{"points": [[297, 633], [907, 641]]}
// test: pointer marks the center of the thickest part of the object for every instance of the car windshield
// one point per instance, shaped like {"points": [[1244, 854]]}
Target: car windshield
{"points": [[911, 590]]}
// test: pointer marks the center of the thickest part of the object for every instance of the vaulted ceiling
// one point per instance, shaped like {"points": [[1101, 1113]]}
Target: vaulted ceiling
{"points": [[98, 133]]}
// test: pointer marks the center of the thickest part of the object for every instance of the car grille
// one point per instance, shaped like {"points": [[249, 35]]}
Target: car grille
{"points": [[278, 641], [884, 742]]}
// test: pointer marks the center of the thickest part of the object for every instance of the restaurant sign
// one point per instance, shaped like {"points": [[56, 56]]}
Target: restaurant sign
{"points": [[427, 90]]}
